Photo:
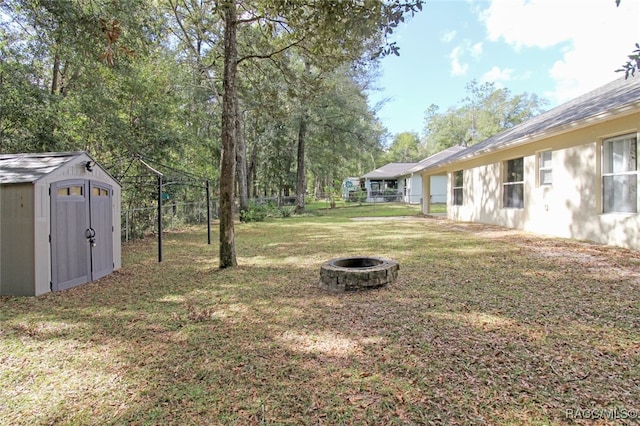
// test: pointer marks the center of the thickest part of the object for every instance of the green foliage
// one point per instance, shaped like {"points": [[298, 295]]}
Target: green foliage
{"points": [[633, 63], [255, 213], [484, 112], [260, 212], [283, 211], [128, 78], [332, 192], [405, 148], [359, 196]]}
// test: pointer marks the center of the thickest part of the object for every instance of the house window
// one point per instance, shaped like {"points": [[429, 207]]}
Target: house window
{"points": [[513, 184], [391, 184], [620, 175], [545, 175], [458, 183]]}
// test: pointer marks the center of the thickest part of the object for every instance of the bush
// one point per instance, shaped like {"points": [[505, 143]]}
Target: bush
{"points": [[359, 196], [286, 211], [259, 212], [255, 213]]}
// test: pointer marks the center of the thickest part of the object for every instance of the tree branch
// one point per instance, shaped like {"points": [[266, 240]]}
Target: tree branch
{"points": [[270, 55]]}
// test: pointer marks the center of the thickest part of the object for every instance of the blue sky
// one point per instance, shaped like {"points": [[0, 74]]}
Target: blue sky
{"points": [[557, 49]]}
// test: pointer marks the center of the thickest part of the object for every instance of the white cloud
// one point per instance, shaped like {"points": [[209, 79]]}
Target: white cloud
{"points": [[458, 53], [476, 50], [448, 36], [497, 75], [533, 23], [458, 68], [592, 37]]}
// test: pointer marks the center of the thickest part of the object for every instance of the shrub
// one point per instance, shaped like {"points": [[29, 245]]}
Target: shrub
{"points": [[255, 213]]}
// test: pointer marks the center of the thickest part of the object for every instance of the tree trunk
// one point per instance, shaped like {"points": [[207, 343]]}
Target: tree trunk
{"points": [[252, 172], [301, 185], [228, 154], [241, 163], [55, 78]]}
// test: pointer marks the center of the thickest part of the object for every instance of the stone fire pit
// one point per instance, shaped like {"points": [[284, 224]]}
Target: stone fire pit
{"points": [[356, 273]]}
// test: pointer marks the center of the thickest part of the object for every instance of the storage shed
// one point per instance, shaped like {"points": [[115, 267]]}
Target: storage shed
{"points": [[59, 222]]}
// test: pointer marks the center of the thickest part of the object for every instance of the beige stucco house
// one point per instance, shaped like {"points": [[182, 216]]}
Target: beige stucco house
{"points": [[571, 172]]}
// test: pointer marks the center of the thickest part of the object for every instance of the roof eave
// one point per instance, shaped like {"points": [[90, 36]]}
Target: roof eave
{"points": [[599, 118]]}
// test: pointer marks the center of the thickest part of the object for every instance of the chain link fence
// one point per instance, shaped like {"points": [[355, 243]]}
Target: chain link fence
{"points": [[142, 221]]}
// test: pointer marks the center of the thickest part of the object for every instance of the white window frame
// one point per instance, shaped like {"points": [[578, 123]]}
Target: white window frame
{"points": [[457, 189], [509, 184], [544, 168], [619, 179]]}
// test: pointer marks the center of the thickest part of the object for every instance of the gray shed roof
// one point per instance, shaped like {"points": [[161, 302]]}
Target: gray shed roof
{"points": [[26, 168], [435, 158], [617, 97], [390, 170]]}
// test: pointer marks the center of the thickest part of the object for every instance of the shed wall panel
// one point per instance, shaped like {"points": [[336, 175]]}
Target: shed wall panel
{"points": [[17, 250]]}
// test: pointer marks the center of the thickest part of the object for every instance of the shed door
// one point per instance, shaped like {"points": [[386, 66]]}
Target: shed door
{"points": [[81, 232], [70, 256], [101, 223]]}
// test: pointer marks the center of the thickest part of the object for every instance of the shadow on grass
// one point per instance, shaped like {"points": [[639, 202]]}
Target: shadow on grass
{"points": [[475, 330]]}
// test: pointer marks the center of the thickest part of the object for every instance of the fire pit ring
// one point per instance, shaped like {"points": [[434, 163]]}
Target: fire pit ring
{"points": [[357, 273]]}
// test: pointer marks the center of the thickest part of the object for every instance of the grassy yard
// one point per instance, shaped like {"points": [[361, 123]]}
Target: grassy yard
{"points": [[484, 326]]}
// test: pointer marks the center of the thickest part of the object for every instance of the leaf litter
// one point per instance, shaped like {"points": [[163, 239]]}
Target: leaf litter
{"points": [[484, 326]]}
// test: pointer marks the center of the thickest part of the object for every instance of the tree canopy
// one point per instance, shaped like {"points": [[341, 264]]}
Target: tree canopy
{"points": [[484, 112], [261, 96]]}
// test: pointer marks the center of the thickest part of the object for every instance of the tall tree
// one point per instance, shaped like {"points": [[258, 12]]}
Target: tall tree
{"points": [[484, 112], [324, 28], [405, 148], [229, 133]]}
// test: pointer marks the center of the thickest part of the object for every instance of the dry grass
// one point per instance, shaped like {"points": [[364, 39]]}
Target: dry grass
{"points": [[483, 326]]}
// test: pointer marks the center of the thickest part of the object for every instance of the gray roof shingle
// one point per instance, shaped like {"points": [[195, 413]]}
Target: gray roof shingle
{"points": [[435, 158], [390, 170], [25, 168]]}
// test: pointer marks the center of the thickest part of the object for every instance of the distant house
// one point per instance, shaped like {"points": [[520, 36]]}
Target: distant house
{"points": [[570, 172], [412, 179], [403, 181], [350, 185], [382, 184]]}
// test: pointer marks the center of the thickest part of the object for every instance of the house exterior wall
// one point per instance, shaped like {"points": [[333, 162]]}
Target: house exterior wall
{"points": [[410, 186], [438, 192], [414, 193], [571, 207], [17, 252]]}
